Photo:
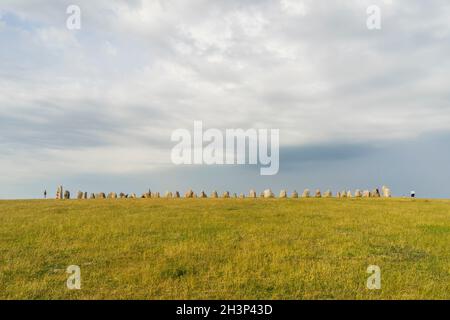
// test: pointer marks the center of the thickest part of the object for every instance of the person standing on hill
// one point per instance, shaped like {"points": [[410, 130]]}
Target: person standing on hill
{"points": [[45, 194]]}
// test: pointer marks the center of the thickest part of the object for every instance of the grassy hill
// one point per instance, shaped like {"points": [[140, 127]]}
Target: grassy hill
{"points": [[225, 248]]}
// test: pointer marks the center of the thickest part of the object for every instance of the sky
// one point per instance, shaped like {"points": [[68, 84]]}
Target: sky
{"points": [[93, 109]]}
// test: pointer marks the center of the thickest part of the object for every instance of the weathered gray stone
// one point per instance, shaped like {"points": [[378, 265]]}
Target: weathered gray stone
{"points": [[59, 193], [112, 195], [189, 194], [79, 195], [358, 193], [306, 193], [386, 192], [203, 195], [226, 194], [252, 194], [376, 193], [328, 194], [66, 194], [349, 194], [168, 195], [241, 196], [318, 194], [294, 194], [268, 193], [214, 194], [283, 194], [366, 194], [177, 194]]}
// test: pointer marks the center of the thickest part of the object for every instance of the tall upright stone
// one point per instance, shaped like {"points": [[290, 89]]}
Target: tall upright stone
{"points": [[59, 193], [66, 194]]}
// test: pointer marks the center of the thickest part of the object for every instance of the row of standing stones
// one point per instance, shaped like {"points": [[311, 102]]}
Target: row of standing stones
{"points": [[376, 193]]}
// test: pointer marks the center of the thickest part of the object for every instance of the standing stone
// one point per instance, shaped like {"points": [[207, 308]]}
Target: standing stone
{"points": [[306, 193], [252, 194], [261, 195], [386, 192], [294, 194], [343, 194], [268, 193], [66, 194], [79, 195], [328, 194], [366, 194], [133, 196], [376, 193], [214, 194], [318, 194], [242, 196], [177, 194], [235, 195], [59, 193], [189, 194], [283, 194], [349, 194], [168, 195], [203, 194], [338, 195], [226, 194], [358, 193]]}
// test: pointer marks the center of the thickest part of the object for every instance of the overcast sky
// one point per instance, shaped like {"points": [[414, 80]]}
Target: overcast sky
{"points": [[94, 109]]}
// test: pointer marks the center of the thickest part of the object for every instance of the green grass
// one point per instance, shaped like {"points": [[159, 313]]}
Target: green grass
{"points": [[225, 248]]}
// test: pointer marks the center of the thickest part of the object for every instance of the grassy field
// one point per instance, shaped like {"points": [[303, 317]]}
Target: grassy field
{"points": [[225, 248]]}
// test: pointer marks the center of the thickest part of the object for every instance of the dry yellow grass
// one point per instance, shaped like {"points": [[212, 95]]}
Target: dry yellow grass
{"points": [[225, 248]]}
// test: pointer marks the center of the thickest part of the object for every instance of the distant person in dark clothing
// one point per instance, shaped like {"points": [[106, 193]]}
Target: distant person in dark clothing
{"points": [[45, 194], [413, 194]]}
